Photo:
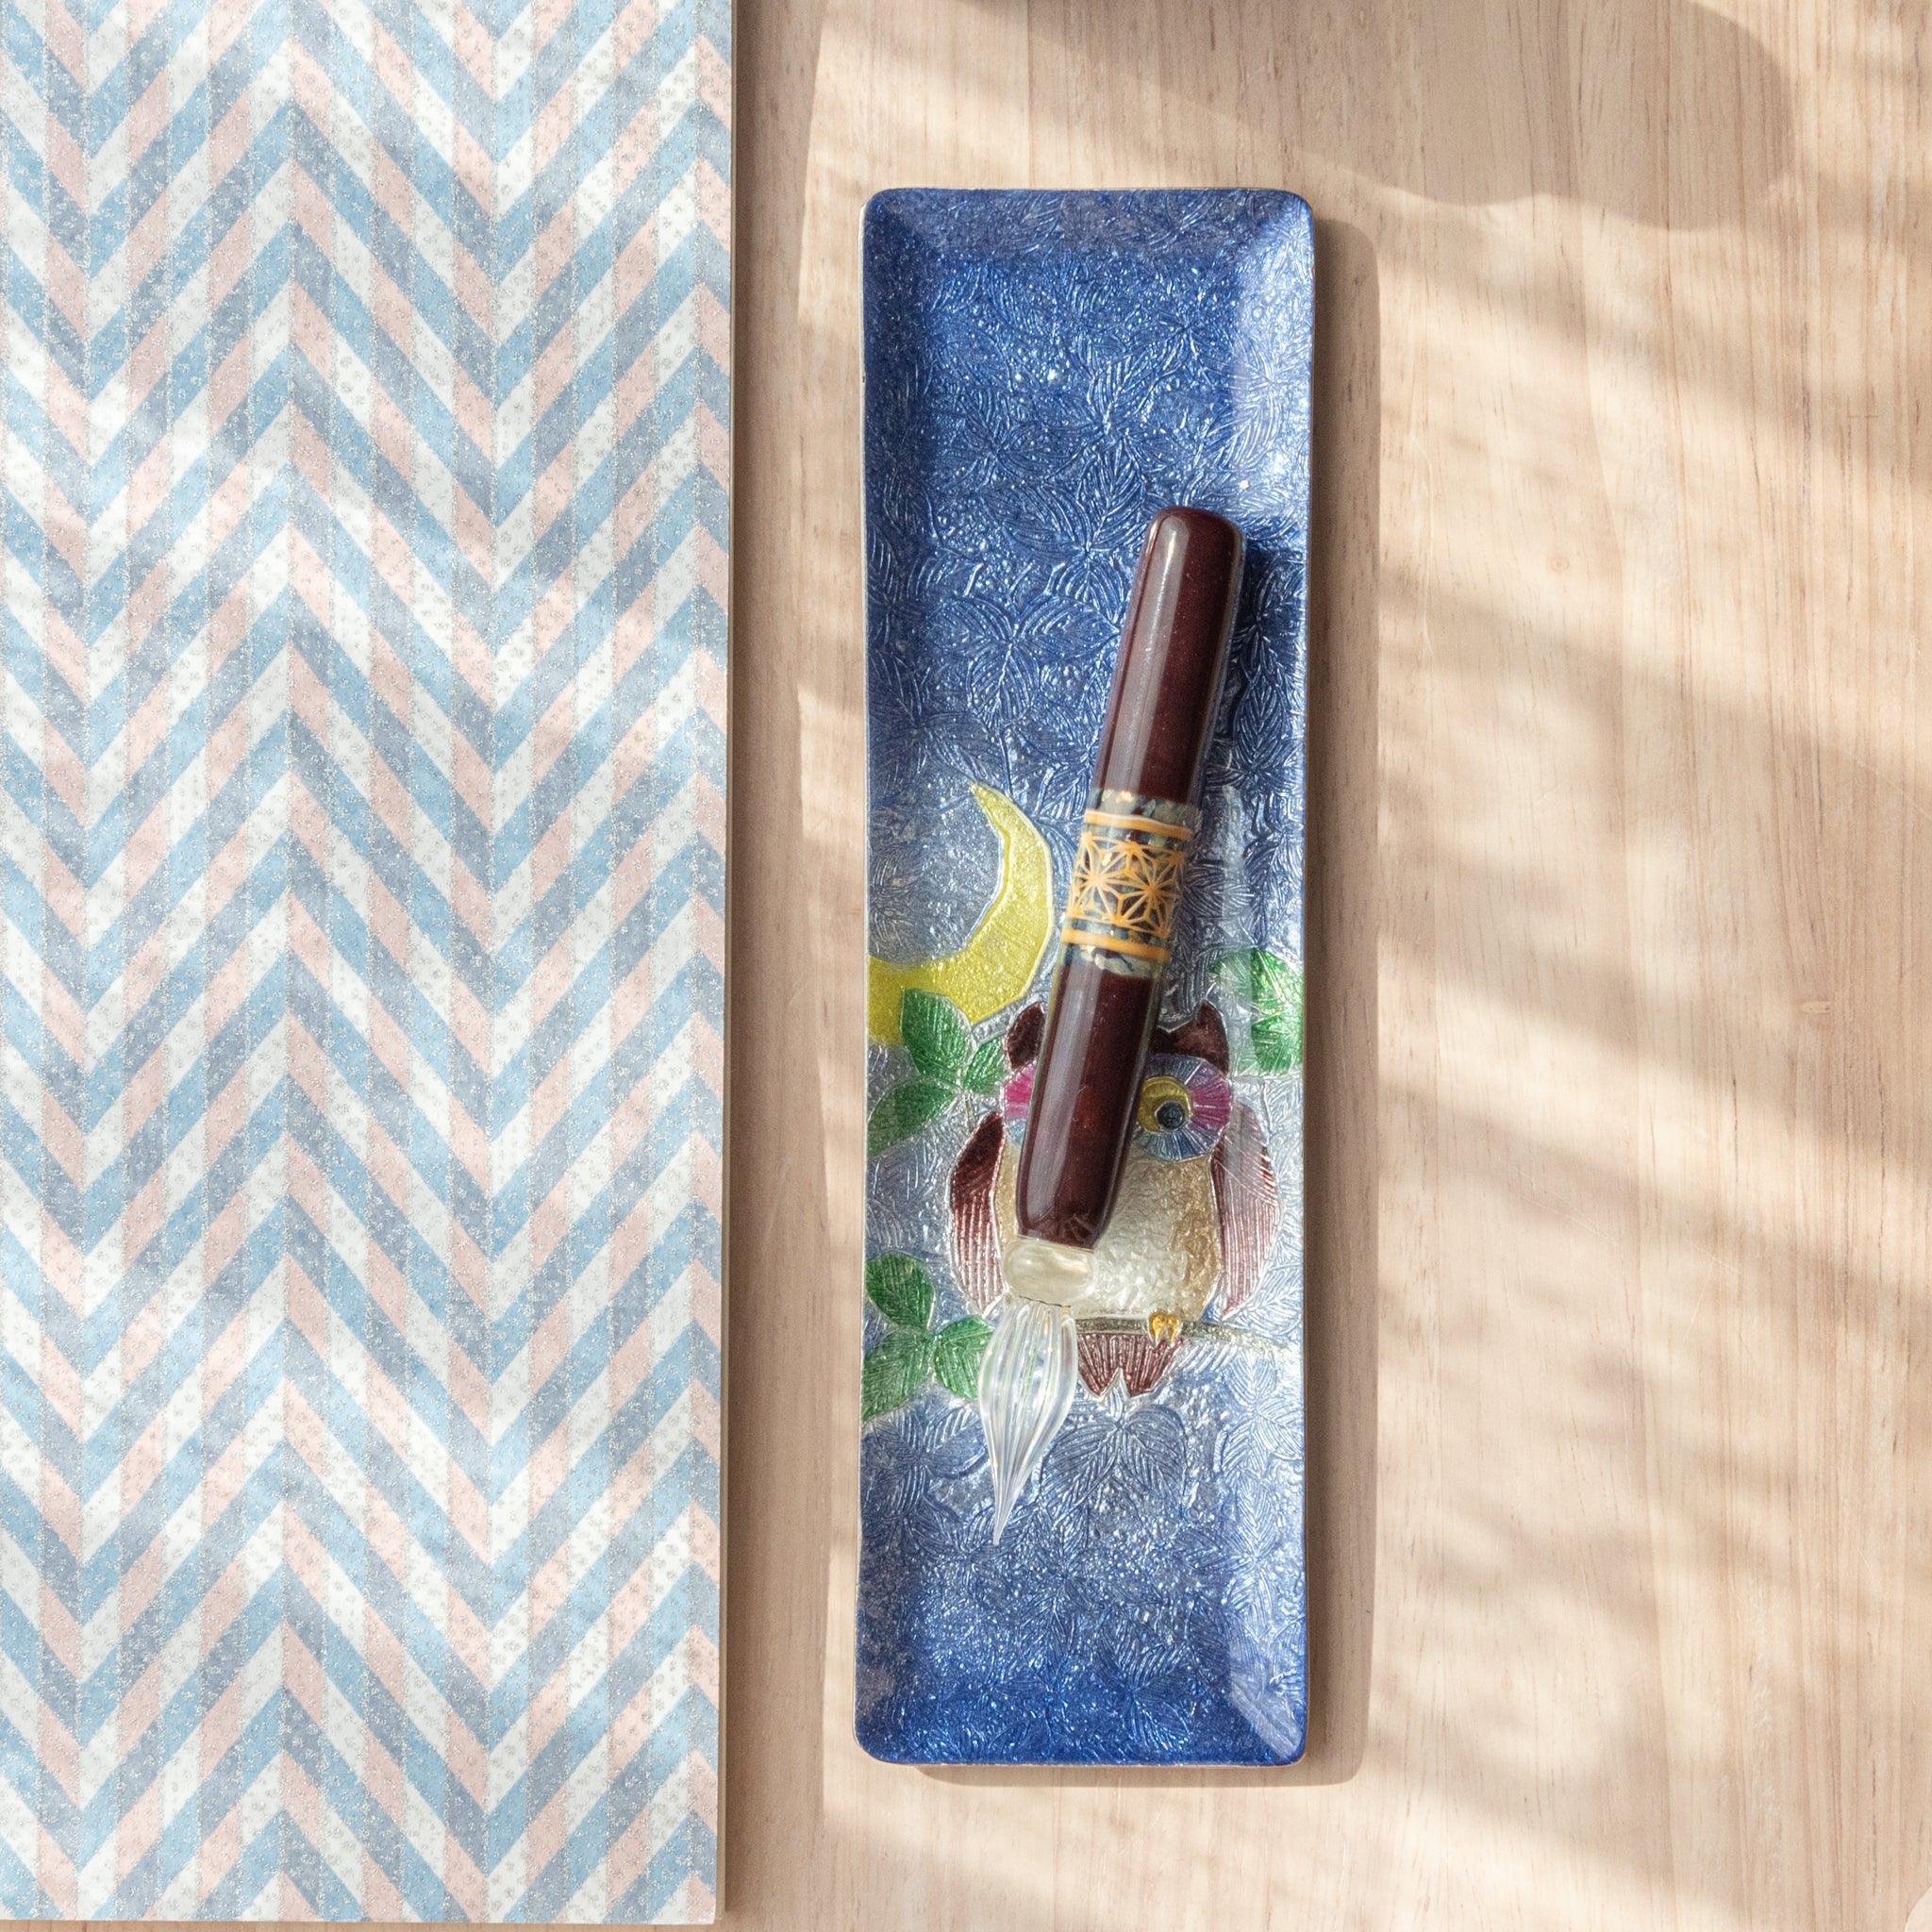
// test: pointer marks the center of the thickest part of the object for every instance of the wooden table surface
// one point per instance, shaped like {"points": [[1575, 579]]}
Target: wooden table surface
{"points": [[1620, 1070]]}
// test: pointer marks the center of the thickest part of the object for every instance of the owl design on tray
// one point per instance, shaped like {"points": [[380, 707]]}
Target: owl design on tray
{"points": [[1191, 1225]]}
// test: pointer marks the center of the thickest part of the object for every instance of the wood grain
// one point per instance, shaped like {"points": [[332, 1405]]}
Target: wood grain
{"points": [[1621, 1174], [1620, 1177]]}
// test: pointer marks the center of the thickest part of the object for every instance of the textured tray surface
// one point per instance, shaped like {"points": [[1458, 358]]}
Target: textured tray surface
{"points": [[1042, 371]]}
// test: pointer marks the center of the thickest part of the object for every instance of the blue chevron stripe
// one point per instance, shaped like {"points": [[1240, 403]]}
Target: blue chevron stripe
{"points": [[287, 255]]}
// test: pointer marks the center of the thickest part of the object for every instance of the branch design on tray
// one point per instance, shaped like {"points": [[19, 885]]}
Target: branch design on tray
{"points": [[1199, 1186]]}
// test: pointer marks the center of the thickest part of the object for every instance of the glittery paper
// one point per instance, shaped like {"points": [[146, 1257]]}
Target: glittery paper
{"points": [[362, 755]]}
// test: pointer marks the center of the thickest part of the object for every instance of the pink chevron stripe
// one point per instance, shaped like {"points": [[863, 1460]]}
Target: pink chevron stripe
{"points": [[146, 121], [67, 657], [217, 1854], [714, 197], [62, 1140], [475, 46], [559, 1457], [714, 339], [60, 1014], [58, 1384], [62, 37], [379, 1647], [714, 90], [227, 1112], [228, 388], [304, 1803], [66, 779], [389, 1168], [692, 1297], [385, 1408], [148, 603], [150, 1085], [59, 1509], [553, 1219], [53, 1870], [313, 581], [225, 1598], [67, 164], [65, 531], [372, 1885], [140, 17]]}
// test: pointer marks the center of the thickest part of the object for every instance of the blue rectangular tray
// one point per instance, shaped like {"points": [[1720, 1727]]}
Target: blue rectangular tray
{"points": [[1043, 372]]}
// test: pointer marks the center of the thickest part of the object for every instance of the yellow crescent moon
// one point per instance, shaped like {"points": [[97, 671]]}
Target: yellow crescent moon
{"points": [[996, 965]]}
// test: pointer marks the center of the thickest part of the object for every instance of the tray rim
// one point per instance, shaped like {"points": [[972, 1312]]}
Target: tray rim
{"points": [[906, 206]]}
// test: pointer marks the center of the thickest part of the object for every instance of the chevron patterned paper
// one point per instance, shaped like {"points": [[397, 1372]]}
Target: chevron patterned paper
{"points": [[363, 462]]}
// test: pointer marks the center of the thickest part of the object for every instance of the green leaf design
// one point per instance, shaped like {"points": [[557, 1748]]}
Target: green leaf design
{"points": [[983, 1071], [936, 1033], [901, 1110], [957, 1353], [1272, 991], [895, 1371], [900, 1289], [1279, 1043]]}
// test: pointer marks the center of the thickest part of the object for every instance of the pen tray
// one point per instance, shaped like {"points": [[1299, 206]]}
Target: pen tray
{"points": [[1043, 372]]}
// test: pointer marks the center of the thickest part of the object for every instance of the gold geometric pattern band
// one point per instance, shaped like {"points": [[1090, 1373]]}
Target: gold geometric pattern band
{"points": [[1127, 881]]}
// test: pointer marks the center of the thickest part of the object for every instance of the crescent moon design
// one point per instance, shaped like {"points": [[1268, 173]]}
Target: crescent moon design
{"points": [[995, 967]]}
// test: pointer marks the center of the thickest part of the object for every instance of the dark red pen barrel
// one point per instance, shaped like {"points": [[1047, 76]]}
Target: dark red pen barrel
{"points": [[1119, 923]]}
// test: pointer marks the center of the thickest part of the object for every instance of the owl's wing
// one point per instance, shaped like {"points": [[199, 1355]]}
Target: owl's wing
{"points": [[1244, 1198], [975, 1238]]}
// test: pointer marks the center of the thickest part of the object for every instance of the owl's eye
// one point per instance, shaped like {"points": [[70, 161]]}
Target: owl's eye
{"points": [[1184, 1105], [1165, 1108]]}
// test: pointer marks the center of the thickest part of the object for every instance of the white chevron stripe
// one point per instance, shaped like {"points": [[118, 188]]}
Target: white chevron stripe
{"points": [[229, 1355], [691, 1789], [352, 630], [421, 1700], [184, 1296], [396, 1182], [144, 373], [685, 815], [386, 1410], [566, 1570]]}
